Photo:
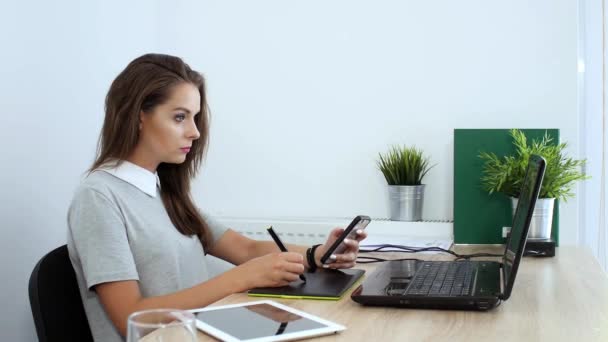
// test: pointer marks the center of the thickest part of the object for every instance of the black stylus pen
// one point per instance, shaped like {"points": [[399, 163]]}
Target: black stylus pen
{"points": [[282, 247]]}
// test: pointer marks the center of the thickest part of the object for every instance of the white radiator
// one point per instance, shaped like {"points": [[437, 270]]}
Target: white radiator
{"points": [[309, 231]]}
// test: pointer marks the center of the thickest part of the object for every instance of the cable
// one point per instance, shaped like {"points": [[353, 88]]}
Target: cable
{"points": [[371, 260], [388, 248], [534, 252]]}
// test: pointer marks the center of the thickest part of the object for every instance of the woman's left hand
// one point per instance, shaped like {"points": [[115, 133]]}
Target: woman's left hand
{"points": [[348, 257]]}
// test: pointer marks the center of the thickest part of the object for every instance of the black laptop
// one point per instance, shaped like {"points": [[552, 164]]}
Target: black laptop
{"points": [[465, 285]]}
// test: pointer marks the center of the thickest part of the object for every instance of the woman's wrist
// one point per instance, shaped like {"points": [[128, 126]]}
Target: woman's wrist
{"points": [[318, 255], [238, 283], [312, 258]]}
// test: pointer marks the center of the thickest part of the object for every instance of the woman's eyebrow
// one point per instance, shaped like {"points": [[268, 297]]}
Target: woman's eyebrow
{"points": [[185, 110], [182, 108]]}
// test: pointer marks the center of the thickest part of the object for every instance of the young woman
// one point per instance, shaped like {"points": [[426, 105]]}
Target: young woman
{"points": [[136, 239]]}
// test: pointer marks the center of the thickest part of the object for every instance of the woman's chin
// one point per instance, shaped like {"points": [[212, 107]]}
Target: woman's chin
{"points": [[177, 160]]}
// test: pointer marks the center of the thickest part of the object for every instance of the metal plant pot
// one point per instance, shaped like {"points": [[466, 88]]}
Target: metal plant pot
{"points": [[406, 202], [542, 218]]}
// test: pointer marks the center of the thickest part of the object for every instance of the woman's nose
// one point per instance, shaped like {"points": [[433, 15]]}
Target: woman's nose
{"points": [[193, 132]]}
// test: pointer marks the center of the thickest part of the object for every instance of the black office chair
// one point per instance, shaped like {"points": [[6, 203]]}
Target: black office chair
{"points": [[55, 300]]}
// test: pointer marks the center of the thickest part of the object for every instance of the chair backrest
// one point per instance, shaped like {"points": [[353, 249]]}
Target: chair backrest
{"points": [[55, 300]]}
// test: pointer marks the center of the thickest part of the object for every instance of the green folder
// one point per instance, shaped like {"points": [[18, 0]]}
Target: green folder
{"points": [[322, 284], [478, 216]]}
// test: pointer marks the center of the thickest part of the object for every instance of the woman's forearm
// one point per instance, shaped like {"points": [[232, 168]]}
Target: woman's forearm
{"points": [[197, 296]]}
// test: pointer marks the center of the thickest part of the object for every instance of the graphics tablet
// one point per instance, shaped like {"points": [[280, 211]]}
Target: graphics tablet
{"points": [[261, 321], [322, 284]]}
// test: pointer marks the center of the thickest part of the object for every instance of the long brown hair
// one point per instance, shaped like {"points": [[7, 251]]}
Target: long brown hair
{"points": [[144, 84]]}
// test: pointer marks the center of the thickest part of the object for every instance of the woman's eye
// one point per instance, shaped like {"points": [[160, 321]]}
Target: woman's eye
{"points": [[180, 117]]}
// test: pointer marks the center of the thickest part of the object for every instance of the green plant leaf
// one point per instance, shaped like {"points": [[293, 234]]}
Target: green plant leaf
{"points": [[506, 175], [403, 165]]}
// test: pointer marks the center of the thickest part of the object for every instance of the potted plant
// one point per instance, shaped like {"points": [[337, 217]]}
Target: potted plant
{"points": [[403, 168], [507, 174]]}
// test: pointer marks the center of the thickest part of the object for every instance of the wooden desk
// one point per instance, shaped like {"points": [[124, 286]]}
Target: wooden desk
{"points": [[547, 304]]}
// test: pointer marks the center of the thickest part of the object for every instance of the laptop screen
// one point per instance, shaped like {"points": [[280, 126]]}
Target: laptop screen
{"points": [[521, 221]]}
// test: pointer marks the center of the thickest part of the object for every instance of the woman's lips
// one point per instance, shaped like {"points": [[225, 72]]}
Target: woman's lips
{"points": [[185, 149]]}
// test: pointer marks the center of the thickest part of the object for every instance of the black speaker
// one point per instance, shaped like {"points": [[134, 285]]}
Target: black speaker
{"points": [[540, 248]]}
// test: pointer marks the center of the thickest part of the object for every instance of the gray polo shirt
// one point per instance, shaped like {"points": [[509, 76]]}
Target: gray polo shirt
{"points": [[118, 229]]}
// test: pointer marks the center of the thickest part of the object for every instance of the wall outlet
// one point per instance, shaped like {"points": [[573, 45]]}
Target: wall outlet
{"points": [[505, 231]]}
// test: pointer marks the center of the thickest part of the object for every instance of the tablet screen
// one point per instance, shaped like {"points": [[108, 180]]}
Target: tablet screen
{"points": [[257, 320]]}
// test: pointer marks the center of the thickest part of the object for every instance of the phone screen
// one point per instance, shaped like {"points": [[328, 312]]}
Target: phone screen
{"points": [[358, 223]]}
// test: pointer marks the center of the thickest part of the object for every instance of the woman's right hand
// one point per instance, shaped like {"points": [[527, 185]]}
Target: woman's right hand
{"points": [[272, 270]]}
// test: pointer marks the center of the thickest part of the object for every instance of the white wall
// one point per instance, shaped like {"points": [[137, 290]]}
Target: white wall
{"points": [[306, 94], [56, 63], [303, 96], [590, 100]]}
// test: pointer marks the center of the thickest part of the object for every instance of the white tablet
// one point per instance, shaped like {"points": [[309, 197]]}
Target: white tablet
{"points": [[261, 321]]}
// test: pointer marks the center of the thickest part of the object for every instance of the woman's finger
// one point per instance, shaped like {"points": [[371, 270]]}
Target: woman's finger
{"points": [[291, 277], [361, 234], [282, 283], [351, 244], [293, 267], [336, 232], [338, 265], [345, 258]]}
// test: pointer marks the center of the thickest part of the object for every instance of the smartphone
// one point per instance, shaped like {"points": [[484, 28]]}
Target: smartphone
{"points": [[359, 222]]}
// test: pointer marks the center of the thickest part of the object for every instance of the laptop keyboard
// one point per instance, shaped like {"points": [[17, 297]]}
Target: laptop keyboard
{"points": [[444, 279]]}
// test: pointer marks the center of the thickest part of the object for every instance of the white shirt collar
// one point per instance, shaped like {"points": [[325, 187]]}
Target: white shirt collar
{"points": [[137, 176]]}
